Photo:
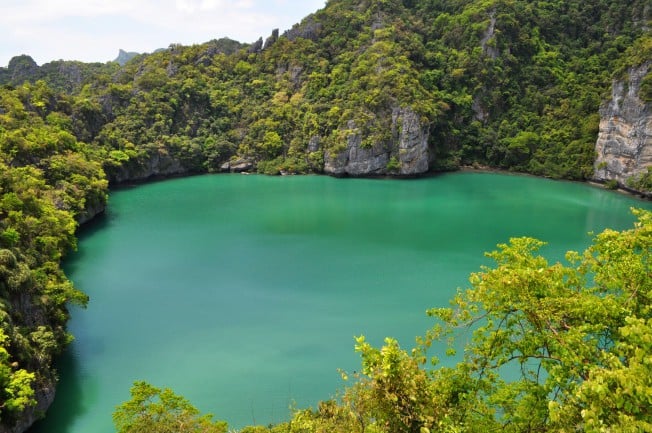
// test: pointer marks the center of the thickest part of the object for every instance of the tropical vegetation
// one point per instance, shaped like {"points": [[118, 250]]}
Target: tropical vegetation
{"points": [[510, 84]]}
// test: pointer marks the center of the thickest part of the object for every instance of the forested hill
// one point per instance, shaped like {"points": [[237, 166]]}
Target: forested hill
{"points": [[360, 87], [373, 87]]}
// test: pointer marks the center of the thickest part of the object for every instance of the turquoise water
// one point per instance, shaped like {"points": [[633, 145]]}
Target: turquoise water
{"points": [[244, 293]]}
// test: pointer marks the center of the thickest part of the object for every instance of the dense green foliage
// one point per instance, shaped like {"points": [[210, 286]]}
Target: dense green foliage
{"points": [[546, 348], [508, 84], [62, 76], [154, 410], [47, 178]]}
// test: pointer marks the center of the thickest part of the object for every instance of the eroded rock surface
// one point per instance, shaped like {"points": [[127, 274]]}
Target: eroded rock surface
{"points": [[406, 153], [624, 145]]}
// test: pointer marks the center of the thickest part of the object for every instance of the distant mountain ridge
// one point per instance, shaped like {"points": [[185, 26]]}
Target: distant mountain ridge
{"points": [[70, 75], [67, 76], [124, 57]]}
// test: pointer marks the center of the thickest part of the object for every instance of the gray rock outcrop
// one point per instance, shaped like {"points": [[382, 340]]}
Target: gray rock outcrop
{"points": [[308, 29], [159, 164], [624, 145], [22, 68], [91, 212], [237, 166], [124, 56], [413, 154], [44, 397], [256, 47], [406, 154], [356, 159], [271, 40]]}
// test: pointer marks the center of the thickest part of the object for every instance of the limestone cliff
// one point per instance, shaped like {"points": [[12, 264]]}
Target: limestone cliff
{"points": [[157, 163], [66, 76], [91, 211], [44, 395], [33, 314], [405, 154], [624, 145]]}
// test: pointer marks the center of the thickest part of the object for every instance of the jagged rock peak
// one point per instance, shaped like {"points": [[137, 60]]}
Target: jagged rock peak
{"points": [[271, 39], [124, 56], [308, 29]]}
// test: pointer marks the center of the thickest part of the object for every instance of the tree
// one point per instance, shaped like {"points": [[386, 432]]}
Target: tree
{"points": [[16, 391], [400, 395], [155, 410], [553, 347], [576, 337]]}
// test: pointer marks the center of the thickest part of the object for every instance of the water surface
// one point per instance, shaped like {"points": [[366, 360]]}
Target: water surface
{"points": [[244, 293]]}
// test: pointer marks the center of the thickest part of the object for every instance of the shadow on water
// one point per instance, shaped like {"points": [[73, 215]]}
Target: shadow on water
{"points": [[94, 225], [97, 224], [68, 403]]}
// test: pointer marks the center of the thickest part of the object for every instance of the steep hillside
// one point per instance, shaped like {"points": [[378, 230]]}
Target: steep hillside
{"points": [[624, 145], [47, 180], [376, 88]]}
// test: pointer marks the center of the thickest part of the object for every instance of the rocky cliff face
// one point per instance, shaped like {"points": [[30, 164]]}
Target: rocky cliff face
{"points": [[92, 210], [413, 153], [406, 154], [44, 396], [158, 164], [34, 316], [66, 76], [624, 145]]}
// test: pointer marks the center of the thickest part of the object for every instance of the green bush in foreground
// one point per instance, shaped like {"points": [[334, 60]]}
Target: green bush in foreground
{"points": [[155, 410]]}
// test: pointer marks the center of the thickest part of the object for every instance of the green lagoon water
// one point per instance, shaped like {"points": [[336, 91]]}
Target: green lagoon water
{"points": [[244, 293]]}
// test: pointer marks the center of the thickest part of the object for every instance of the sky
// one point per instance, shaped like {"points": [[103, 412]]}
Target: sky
{"points": [[94, 30]]}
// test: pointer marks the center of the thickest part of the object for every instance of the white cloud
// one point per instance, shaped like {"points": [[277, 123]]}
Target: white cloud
{"points": [[186, 6], [244, 4], [93, 30], [38, 11], [208, 5]]}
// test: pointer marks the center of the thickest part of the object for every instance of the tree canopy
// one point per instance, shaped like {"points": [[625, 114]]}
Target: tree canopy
{"points": [[515, 85], [155, 410]]}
